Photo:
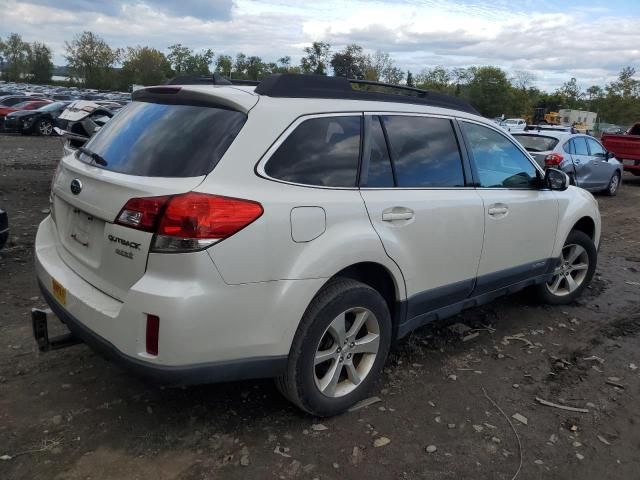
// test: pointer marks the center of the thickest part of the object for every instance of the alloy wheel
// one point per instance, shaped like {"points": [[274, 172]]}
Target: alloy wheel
{"points": [[45, 128], [613, 184], [574, 264], [346, 352]]}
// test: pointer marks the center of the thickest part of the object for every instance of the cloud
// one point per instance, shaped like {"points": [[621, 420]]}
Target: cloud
{"points": [[555, 41], [201, 9]]}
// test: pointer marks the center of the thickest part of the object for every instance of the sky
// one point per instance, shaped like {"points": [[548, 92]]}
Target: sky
{"points": [[555, 40]]}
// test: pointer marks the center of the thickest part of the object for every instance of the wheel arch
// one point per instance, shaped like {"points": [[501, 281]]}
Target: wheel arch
{"points": [[587, 226], [381, 279]]}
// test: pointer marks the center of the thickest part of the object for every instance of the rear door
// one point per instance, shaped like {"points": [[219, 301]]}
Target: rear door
{"points": [[520, 218], [422, 205], [148, 150], [585, 167]]}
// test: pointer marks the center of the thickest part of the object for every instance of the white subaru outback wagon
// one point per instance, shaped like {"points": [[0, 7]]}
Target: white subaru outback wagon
{"points": [[295, 229]]}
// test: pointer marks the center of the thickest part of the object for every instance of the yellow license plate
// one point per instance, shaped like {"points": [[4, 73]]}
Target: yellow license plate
{"points": [[59, 291]]}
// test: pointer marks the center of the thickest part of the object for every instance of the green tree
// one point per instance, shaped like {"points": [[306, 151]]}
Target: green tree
{"points": [[350, 62], [571, 93], [489, 91], [40, 63], [410, 81], [384, 68], [16, 58], [255, 68], [144, 66], [224, 64], [436, 78], [316, 59], [90, 59], [184, 61], [240, 66]]}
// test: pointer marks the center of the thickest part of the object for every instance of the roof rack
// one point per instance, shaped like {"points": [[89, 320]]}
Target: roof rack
{"points": [[286, 85], [214, 79]]}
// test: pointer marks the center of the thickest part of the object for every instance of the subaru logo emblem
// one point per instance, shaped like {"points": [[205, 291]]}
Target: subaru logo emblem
{"points": [[76, 186]]}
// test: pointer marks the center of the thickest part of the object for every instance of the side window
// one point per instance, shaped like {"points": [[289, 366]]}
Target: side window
{"points": [[425, 151], [379, 173], [500, 164], [595, 148], [580, 146], [320, 151], [568, 147]]}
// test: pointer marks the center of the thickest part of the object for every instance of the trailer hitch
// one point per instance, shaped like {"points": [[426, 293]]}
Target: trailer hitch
{"points": [[41, 333]]}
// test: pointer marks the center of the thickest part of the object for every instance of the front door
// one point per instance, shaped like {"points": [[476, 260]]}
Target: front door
{"points": [[520, 218], [430, 222], [585, 165]]}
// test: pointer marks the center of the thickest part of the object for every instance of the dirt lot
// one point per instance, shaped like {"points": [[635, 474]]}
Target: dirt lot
{"points": [[70, 414]]}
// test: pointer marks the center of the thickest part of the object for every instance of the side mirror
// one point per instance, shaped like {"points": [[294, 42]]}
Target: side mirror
{"points": [[555, 179], [610, 155]]}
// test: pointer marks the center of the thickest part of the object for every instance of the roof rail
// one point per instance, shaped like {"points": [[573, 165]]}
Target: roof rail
{"points": [[286, 85], [214, 79]]}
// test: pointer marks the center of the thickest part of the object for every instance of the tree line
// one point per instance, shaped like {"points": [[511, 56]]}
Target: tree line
{"points": [[92, 62]]}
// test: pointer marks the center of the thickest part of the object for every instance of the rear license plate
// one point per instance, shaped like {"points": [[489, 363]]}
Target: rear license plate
{"points": [[59, 291], [81, 228]]}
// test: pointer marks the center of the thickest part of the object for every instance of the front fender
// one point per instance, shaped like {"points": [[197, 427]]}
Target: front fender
{"points": [[575, 204]]}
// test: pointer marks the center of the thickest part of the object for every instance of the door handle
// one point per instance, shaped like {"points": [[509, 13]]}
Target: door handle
{"points": [[397, 213], [577, 160], [498, 210]]}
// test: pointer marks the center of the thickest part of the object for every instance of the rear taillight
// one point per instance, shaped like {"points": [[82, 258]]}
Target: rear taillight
{"points": [[142, 213], [553, 160], [189, 222]]}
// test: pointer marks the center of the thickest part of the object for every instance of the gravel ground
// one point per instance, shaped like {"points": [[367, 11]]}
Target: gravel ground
{"points": [[69, 414]]}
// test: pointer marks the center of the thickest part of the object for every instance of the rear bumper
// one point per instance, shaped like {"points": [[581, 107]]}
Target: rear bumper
{"points": [[635, 169], [264, 367], [209, 331]]}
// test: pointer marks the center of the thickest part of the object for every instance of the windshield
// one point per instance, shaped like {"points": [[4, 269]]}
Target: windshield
{"points": [[158, 140], [537, 143]]}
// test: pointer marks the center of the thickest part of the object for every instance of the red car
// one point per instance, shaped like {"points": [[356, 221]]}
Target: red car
{"points": [[26, 105], [626, 148]]}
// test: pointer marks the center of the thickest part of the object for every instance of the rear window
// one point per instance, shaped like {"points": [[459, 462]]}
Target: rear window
{"points": [[537, 143], [157, 140], [320, 151], [425, 152]]}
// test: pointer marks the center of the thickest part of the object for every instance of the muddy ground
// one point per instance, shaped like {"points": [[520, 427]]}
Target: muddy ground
{"points": [[69, 414]]}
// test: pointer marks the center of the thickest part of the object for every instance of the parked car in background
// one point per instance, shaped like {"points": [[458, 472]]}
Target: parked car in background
{"points": [[514, 124], [217, 233], [83, 118], [4, 227], [30, 104], [626, 147], [582, 157], [11, 100], [40, 121]]}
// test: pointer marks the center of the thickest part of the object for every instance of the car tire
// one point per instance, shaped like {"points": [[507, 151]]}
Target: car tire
{"points": [[569, 282], [330, 352], [44, 127], [613, 185]]}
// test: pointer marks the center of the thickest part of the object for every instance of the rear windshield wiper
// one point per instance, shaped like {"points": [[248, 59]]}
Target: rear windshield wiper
{"points": [[93, 155]]}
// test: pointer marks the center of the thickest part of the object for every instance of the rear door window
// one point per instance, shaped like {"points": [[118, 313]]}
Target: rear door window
{"points": [[322, 151], [158, 140], [580, 146], [569, 148], [424, 151]]}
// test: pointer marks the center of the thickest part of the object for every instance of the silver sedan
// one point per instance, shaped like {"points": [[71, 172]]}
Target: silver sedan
{"points": [[582, 157]]}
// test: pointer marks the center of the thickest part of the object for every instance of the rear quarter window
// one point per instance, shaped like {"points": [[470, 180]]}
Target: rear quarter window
{"points": [[158, 140], [322, 151]]}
